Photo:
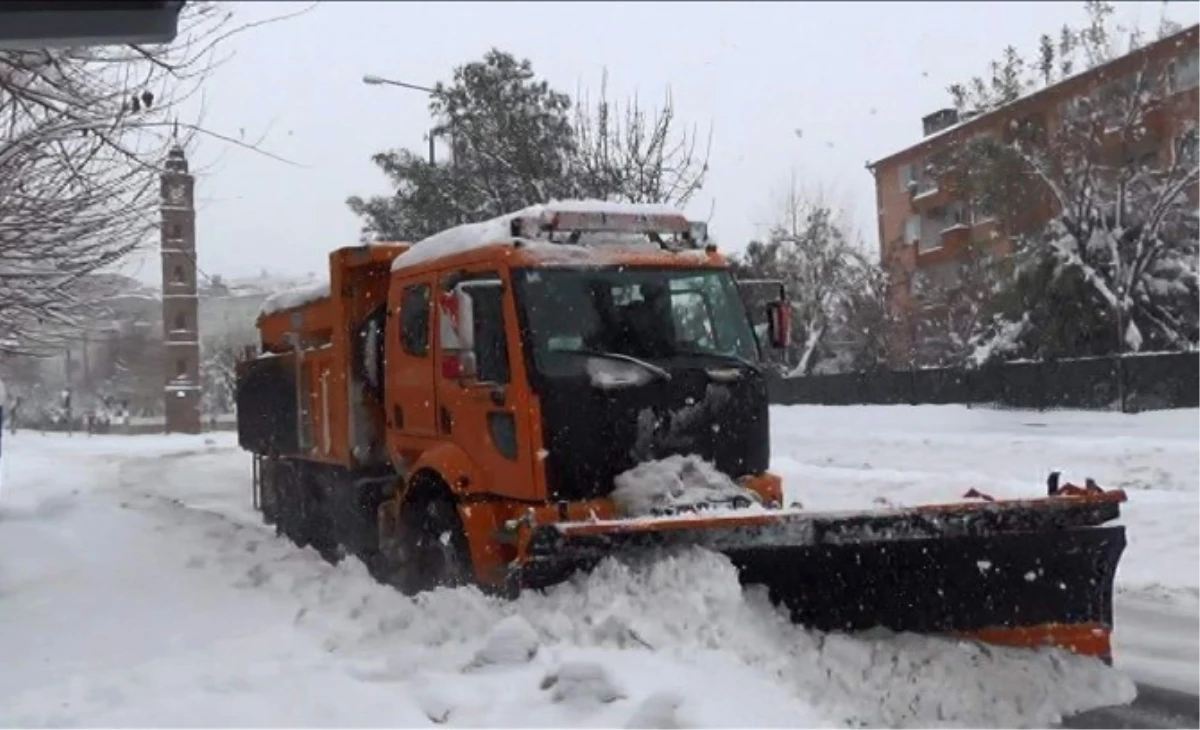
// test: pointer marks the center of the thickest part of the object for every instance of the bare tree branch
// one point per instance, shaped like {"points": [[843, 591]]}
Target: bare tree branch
{"points": [[632, 155], [85, 133]]}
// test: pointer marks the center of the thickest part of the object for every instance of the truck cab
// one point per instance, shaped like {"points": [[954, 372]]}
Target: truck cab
{"points": [[497, 372], [551, 374]]}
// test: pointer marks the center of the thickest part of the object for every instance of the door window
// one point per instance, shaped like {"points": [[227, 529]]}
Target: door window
{"points": [[491, 344], [414, 320]]}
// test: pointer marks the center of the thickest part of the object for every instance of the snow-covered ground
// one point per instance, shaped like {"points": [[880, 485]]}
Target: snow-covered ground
{"points": [[138, 588], [831, 457]]}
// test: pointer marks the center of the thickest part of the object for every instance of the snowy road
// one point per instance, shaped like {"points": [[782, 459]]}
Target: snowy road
{"points": [[137, 588], [834, 458]]}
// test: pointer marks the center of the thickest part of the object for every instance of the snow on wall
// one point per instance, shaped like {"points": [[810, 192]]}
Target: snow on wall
{"points": [[470, 236], [292, 298]]}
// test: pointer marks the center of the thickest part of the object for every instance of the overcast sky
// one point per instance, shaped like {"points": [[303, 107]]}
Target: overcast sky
{"points": [[814, 89]]}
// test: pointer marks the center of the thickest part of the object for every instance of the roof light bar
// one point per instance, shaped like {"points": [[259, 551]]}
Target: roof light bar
{"points": [[599, 222]]}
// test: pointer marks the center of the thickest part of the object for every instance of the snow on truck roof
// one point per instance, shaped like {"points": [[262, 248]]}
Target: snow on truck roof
{"points": [[496, 230], [292, 298], [471, 236]]}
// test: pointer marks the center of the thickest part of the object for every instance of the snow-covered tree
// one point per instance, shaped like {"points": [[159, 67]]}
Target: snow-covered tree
{"points": [[626, 153], [85, 130], [810, 250], [1059, 56], [511, 141], [1094, 207], [514, 143], [958, 304], [138, 355], [218, 373], [868, 321]]}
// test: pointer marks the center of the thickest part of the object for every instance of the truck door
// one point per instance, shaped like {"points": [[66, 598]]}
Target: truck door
{"points": [[411, 402], [484, 414]]}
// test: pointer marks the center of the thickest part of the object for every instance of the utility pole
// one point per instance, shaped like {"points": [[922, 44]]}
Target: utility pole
{"points": [[1120, 349], [87, 370]]}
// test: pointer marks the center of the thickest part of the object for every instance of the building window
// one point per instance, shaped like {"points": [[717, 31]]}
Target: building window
{"points": [[955, 215], [1183, 74], [1185, 148], [931, 232], [175, 230], [180, 368], [982, 210], [180, 322], [912, 229], [178, 276], [908, 176]]}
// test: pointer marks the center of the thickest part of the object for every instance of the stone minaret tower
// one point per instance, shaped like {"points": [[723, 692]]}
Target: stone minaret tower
{"points": [[180, 305]]}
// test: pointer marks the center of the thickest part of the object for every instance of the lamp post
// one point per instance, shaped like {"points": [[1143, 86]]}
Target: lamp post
{"points": [[373, 80], [1120, 348]]}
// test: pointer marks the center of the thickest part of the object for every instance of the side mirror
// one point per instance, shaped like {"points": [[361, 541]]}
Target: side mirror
{"points": [[779, 323], [457, 331]]}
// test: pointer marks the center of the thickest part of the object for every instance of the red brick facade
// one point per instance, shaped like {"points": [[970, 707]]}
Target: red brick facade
{"points": [[922, 226]]}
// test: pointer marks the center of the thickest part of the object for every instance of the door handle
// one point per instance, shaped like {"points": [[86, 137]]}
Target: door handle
{"points": [[497, 394]]}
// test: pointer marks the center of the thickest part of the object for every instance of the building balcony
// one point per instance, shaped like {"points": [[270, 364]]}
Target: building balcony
{"points": [[956, 235], [947, 243], [179, 338], [929, 195]]}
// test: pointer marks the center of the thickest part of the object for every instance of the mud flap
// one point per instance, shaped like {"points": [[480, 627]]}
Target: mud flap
{"points": [[1023, 573]]}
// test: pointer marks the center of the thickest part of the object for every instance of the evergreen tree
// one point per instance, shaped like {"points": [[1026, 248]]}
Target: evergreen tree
{"points": [[515, 143], [511, 143]]}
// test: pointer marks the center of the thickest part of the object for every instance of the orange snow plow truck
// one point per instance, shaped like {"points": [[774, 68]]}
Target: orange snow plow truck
{"points": [[508, 402]]}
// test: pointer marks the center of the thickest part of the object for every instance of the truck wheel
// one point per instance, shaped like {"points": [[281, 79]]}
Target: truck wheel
{"points": [[294, 505], [429, 550], [322, 531]]}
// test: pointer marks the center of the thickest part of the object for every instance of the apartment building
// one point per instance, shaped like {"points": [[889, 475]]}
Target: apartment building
{"points": [[925, 231]]}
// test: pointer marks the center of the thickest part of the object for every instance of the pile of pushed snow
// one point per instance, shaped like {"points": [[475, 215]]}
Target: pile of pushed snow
{"points": [[676, 483], [644, 620]]}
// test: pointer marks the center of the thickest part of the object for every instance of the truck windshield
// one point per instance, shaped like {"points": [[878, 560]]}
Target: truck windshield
{"points": [[649, 314]]}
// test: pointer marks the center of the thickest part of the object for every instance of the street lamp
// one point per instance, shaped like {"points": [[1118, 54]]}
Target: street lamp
{"points": [[1120, 301], [373, 80]]}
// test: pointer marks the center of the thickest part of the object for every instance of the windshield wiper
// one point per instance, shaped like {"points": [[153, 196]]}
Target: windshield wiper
{"points": [[727, 357], [624, 358]]}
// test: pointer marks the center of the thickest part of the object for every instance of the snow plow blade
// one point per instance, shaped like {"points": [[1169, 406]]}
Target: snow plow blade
{"points": [[1020, 573]]}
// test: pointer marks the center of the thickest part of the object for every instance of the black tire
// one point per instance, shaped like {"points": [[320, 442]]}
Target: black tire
{"points": [[268, 491], [291, 512], [322, 531], [316, 525], [430, 549]]}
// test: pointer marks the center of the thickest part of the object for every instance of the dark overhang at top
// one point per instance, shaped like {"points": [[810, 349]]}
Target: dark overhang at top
{"points": [[50, 24]]}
